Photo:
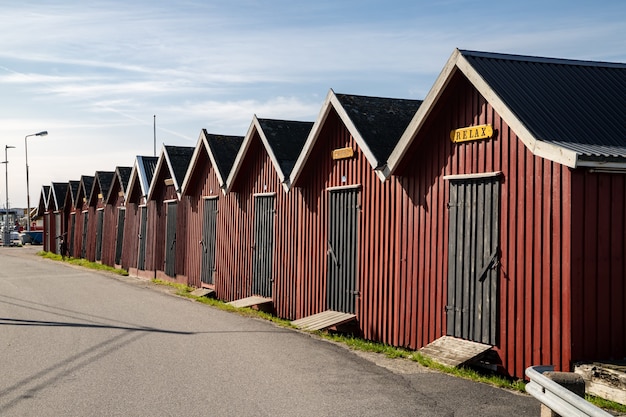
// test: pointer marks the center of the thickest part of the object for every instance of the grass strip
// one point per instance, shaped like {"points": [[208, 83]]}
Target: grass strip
{"points": [[82, 262]]}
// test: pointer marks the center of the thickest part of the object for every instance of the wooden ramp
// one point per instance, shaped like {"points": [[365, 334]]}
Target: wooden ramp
{"points": [[253, 301], [323, 320], [451, 351], [203, 292]]}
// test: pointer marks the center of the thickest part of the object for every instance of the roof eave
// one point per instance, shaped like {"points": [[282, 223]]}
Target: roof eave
{"points": [[331, 102], [421, 115], [243, 150], [194, 161]]}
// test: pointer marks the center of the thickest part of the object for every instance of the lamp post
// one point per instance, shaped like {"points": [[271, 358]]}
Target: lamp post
{"points": [[42, 133], [6, 239]]}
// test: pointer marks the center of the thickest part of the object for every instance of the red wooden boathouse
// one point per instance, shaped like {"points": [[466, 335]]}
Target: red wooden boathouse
{"points": [[81, 210], [114, 218], [163, 224], [42, 211], [96, 203], [346, 240], [202, 203], [56, 227], [136, 216], [261, 262], [513, 211], [69, 214]]}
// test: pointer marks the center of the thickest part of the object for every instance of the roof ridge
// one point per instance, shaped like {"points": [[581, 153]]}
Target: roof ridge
{"points": [[540, 59]]}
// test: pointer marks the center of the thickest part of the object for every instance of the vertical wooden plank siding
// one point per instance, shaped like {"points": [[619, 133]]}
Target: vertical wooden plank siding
{"points": [[90, 236], [157, 220], [233, 258], [377, 262], [78, 233], [202, 183], [47, 219], [131, 227], [59, 230], [534, 221], [263, 245], [230, 253], [71, 233], [111, 221], [119, 235], [99, 229], [171, 214], [598, 265]]}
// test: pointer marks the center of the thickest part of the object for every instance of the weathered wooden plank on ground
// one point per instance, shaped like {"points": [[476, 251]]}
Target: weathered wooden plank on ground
{"points": [[452, 351], [323, 320]]}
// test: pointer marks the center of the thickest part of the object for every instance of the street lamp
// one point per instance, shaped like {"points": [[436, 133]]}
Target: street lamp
{"points": [[7, 233], [42, 133]]}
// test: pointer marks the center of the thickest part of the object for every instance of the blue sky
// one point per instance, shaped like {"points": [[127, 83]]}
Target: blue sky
{"points": [[94, 73]]}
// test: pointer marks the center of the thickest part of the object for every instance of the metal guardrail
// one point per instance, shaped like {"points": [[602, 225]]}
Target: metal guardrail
{"points": [[557, 398]]}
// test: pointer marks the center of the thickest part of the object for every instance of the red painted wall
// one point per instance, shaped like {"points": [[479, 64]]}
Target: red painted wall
{"points": [[111, 217], [131, 226], [155, 248], [376, 267], [535, 226], [202, 183], [598, 265], [234, 256]]}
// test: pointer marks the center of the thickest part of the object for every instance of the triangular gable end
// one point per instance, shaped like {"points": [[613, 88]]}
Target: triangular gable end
{"points": [[161, 162], [58, 191], [220, 167], [458, 62], [84, 190], [42, 207], [70, 195], [333, 102], [165, 161], [195, 157], [256, 127], [120, 181], [102, 182], [141, 177], [241, 155]]}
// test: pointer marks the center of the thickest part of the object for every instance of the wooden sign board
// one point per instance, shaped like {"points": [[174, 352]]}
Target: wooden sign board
{"points": [[466, 134], [343, 153]]}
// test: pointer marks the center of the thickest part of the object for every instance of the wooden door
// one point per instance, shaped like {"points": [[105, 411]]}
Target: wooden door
{"points": [[263, 253], [341, 287], [474, 210], [209, 227]]}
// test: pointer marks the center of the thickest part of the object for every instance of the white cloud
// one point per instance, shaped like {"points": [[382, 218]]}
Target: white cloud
{"points": [[94, 73]]}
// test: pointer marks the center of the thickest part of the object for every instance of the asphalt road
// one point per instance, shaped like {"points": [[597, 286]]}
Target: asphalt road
{"points": [[79, 343]]}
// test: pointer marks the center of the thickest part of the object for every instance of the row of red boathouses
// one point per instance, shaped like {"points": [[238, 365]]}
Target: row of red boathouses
{"points": [[493, 211]]}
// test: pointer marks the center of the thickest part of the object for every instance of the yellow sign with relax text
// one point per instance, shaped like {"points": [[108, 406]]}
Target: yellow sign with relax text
{"points": [[471, 133]]}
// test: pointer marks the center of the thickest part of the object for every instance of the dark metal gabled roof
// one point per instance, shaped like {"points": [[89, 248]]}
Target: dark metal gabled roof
{"points": [[58, 191], [103, 180], [179, 158], [377, 124], [72, 191], [224, 149], [141, 176], [148, 166], [85, 188], [576, 105], [380, 121], [43, 200], [123, 175], [286, 138]]}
